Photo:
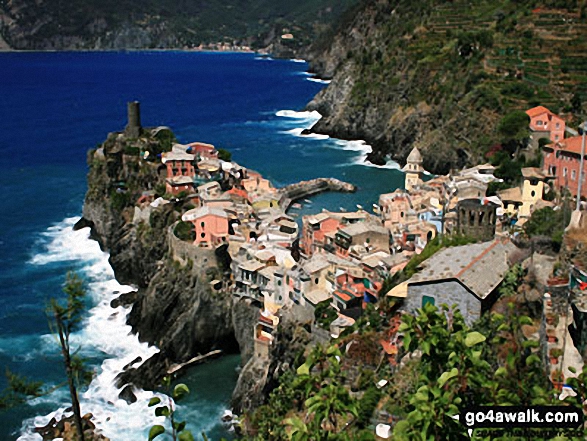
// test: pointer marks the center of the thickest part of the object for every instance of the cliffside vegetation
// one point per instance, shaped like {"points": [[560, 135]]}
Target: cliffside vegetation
{"points": [[125, 24], [446, 76], [338, 393]]}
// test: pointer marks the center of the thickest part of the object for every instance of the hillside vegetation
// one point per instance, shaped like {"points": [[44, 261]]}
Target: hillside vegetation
{"points": [[124, 24], [440, 75]]}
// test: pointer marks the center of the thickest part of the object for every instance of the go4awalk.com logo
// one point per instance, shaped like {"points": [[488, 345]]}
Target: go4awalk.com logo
{"points": [[520, 417]]}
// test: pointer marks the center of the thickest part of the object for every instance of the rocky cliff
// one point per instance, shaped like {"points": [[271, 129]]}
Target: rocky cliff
{"points": [[174, 308], [440, 75]]}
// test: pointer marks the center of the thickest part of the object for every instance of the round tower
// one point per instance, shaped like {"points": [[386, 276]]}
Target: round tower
{"points": [[133, 127]]}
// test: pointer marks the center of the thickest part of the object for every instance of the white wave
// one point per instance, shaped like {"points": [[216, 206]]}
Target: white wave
{"points": [[317, 136], [363, 149], [105, 332], [319, 80], [314, 114], [66, 245], [264, 58], [297, 60]]}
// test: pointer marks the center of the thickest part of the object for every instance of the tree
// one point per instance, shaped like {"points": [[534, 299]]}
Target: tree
{"points": [[513, 128], [224, 155], [178, 430], [63, 320]]}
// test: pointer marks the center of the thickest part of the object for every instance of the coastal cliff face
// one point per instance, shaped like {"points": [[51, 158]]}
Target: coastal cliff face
{"points": [[174, 308], [440, 75]]}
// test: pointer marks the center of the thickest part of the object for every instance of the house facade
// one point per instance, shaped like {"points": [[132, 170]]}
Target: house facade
{"points": [[545, 124], [562, 161]]}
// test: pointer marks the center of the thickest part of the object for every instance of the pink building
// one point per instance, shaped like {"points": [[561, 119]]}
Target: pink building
{"points": [[203, 150], [394, 208], [314, 229], [562, 160], [211, 225], [545, 124]]}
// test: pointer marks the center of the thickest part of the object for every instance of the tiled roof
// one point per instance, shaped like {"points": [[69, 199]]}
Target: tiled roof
{"points": [[535, 111], [572, 145], [316, 263], [533, 172], [176, 156], [510, 194], [180, 180], [480, 267], [197, 213]]}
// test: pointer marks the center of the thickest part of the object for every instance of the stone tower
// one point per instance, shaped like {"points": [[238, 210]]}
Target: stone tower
{"points": [[475, 219], [413, 169], [133, 127]]}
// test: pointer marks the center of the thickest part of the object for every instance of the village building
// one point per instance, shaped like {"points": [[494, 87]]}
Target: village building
{"points": [[179, 184], [545, 124], [395, 209], [178, 162], [562, 161], [210, 224], [476, 219], [483, 173], [202, 150], [318, 230], [369, 235], [464, 276], [413, 170], [511, 200], [468, 187]]}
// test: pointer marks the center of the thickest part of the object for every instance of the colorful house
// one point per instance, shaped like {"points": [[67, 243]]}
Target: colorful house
{"points": [[545, 124], [211, 225], [178, 162], [202, 150], [395, 208], [562, 161]]}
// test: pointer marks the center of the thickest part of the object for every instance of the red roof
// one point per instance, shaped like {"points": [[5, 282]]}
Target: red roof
{"points": [[539, 110], [572, 145]]}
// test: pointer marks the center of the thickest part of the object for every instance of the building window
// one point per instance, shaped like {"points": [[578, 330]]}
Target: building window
{"points": [[426, 300], [564, 171], [202, 235], [538, 123], [532, 193], [202, 224], [316, 281], [556, 137], [558, 127], [573, 174]]}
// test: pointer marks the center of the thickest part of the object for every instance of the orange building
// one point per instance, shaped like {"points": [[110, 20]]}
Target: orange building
{"points": [[562, 160]]}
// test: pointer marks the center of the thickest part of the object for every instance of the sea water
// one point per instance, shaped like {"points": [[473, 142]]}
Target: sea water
{"points": [[56, 106]]}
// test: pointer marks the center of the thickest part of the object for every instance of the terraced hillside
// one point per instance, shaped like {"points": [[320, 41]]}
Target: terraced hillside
{"points": [[441, 75]]}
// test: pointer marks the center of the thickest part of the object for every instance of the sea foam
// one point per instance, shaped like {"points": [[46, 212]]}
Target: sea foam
{"points": [[104, 333]]}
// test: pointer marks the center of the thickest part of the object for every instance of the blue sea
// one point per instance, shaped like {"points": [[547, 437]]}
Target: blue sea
{"points": [[56, 106]]}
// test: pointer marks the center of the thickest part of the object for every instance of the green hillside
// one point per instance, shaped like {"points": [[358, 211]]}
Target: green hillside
{"points": [[440, 75], [161, 23]]}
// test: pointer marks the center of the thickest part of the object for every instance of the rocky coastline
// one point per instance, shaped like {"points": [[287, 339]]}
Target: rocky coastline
{"points": [[174, 306]]}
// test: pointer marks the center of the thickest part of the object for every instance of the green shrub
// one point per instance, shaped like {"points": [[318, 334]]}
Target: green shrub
{"points": [[185, 231]]}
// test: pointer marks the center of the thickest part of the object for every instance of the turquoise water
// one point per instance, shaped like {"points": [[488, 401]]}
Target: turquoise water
{"points": [[53, 108]]}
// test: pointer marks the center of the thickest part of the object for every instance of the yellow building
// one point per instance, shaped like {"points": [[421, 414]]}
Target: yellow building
{"points": [[532, 190]]}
